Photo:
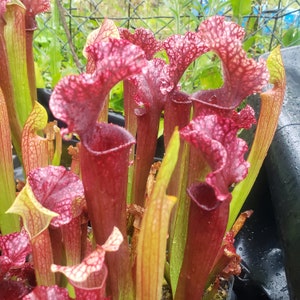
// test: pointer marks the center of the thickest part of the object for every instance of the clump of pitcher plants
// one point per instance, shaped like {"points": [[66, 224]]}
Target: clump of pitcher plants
{"points": [[115, 224]]}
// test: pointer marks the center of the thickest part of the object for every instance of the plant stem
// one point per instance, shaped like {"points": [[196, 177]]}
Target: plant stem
{"points": [[43, 258], [7, 89], [9, 223], [30, 66], [15, 37]]}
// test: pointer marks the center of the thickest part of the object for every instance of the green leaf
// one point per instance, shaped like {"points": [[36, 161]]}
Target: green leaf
{"points": [[55, 56], [39, 78], [240, 8], [179, 225], [15, 38], [291, 37], [8, 223], [36, 218], [116, 98], [204, 73], [249, 43]]}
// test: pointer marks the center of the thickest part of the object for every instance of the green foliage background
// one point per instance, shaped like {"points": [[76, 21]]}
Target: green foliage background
{"points": [[62, 33]]}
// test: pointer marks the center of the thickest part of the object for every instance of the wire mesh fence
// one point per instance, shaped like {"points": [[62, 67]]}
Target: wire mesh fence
{"points": [[62, 32]]}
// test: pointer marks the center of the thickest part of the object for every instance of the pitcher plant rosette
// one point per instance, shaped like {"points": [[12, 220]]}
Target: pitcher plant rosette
{"points": [[113, 225]]}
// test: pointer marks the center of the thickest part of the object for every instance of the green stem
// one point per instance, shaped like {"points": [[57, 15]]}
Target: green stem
{"points": [[179, 221], [43, 258], [15, 37], [8, 222], [30, 66], [7, 89]]}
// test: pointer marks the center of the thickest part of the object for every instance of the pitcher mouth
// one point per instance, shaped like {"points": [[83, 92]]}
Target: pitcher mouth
{"points": [[107, 138]]}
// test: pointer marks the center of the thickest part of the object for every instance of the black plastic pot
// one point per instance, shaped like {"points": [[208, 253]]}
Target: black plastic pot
{"points": [[283, 170], [269, 244], [263, 273]]}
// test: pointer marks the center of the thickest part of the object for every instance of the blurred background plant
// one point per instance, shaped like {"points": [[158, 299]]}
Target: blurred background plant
{"points": [[62, 33]]}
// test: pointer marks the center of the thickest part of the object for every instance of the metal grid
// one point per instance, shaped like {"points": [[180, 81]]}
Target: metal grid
{"points": [[70, 21]]}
